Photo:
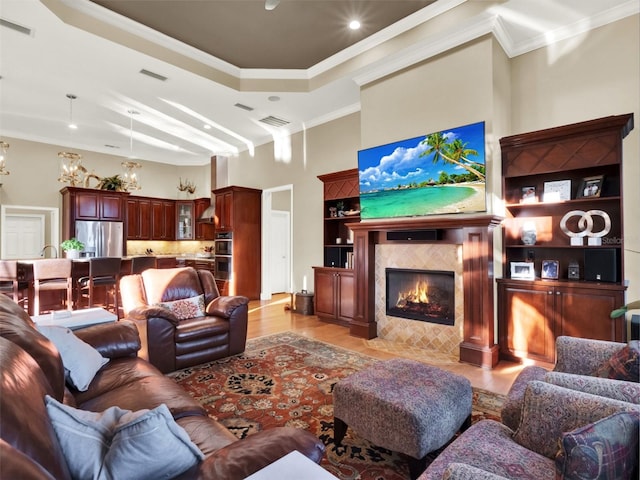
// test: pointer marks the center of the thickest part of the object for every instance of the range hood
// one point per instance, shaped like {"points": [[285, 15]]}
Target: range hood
{"points": [[208, 214]]}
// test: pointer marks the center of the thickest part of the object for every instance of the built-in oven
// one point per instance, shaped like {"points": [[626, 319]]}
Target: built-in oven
{"points": [[223, 267], [223, 243]]}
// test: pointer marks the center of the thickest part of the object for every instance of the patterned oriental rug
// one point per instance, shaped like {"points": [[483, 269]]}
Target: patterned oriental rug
{"points": [[287, 379]]}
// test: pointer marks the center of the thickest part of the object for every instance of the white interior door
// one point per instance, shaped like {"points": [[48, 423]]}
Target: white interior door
{"points": [[280, 262], [23, 235]]}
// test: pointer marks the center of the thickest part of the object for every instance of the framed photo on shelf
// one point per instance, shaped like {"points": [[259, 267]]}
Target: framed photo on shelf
{"points": [[528, 195], [557, 191], [550, 269], [590, 187], [522, 271]]}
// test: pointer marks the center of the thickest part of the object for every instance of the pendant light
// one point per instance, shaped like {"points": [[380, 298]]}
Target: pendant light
{"points": [[71, 169], [4, 146], [130, 178]]}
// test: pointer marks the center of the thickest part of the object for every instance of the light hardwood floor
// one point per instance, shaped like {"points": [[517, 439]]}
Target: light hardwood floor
{"points": [[274, 316]]}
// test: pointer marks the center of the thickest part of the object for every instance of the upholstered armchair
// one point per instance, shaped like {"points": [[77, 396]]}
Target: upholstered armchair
{"points": [[183, 318], [592, 366]]}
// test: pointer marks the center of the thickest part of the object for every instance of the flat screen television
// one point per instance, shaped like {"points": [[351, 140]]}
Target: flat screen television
{"points": [[434, 174]]}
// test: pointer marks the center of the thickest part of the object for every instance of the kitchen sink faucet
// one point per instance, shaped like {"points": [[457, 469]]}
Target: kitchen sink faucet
{"points": [[55, 250]]}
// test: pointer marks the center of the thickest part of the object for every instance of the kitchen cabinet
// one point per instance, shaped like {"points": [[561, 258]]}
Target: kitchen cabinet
{"points": [[203, 230], [138, 218], [185, 220], [239, 213], [163, 219], [334, 294], [533, 314], [573, 300], [90, 204]]}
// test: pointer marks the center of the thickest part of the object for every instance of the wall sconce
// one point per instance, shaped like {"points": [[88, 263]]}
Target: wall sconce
{"points": [[71, 169], [130, 179], [4, 146]]}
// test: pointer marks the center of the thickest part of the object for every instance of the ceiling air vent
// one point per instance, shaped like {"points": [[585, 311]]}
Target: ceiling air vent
{"points": [[15, 26], [274, 121], [157, 76], [244, 107]]}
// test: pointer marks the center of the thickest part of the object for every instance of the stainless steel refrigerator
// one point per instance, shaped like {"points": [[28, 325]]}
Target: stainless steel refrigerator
{"points": [[101, 239]]}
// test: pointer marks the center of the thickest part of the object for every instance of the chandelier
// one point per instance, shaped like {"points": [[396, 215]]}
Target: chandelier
{"points": [[130, 179], [4, 146], [71, 169]]}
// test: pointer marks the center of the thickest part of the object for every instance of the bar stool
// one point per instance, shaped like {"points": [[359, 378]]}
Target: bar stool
{"points": [[50, 275], [140, 264], [103, 272], [9, 284]]}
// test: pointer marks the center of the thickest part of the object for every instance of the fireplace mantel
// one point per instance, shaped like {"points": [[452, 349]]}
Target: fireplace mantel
{"points": [[475, 234]]}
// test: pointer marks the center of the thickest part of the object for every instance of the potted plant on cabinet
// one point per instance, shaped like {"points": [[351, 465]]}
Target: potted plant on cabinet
{"points": [[72, 247]]}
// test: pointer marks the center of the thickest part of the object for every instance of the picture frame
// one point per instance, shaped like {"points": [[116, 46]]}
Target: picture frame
{"points": [[557, 191], [528, 195], [590, 187], [522, 270], [550, 269]]}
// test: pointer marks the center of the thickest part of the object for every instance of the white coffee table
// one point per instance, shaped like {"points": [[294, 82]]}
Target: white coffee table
{"points": [[75, 319], [293, 466]]}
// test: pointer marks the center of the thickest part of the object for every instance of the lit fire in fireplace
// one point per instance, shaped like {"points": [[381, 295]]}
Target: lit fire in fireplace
{"points": [[418, 294], [424, 301]]}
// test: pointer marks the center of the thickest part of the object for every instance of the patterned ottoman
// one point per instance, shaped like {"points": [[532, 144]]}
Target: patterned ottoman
{"points": [[404, 406]]}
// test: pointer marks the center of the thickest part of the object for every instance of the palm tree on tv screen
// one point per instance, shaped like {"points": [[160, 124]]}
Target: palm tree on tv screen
{"points": [[454, 152]]}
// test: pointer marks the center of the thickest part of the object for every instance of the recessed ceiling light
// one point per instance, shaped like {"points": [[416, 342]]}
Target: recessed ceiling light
{"points": [[207, 126], [354, 24], [274, 98]]}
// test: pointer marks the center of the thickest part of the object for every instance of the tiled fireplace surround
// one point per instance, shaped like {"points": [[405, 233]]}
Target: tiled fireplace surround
{"points": [[429, 336], [463, 244]]}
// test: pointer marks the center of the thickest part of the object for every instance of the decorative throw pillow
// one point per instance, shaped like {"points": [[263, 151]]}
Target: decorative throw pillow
{"points": [[623, 365], [81, 361], [121, 444], [186, 308], [606, 449]]}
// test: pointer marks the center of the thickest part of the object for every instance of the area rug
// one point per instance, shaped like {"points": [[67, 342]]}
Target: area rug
{"points": [[287, 379]]}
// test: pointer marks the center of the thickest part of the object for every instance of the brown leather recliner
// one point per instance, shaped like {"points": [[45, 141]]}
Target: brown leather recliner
{"points": [[173, 343]]}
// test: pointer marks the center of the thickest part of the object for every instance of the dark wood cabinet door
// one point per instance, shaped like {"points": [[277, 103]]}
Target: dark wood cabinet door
{"points": [[169, 213], [144, 219], [325, 295], [224, 211], [111, 207], [204, 231], [158, 227], [133, 222], [87, 206], [528, 326], [585, 312], [346, 295]]}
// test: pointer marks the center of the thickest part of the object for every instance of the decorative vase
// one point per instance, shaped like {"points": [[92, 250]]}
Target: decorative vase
{"points": [[528, 234]]}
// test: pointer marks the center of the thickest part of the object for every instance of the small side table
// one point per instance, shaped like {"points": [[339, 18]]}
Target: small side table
{"points": [[293, 466], [75, 319], [304, 303]]}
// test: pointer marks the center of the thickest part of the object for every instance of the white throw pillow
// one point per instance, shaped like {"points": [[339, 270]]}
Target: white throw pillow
{"points": [[121, 444], [81, 361]]}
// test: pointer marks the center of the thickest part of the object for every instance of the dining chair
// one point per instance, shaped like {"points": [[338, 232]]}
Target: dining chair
{"points": [[141, 263], [104, 272], [50, 275], [9, 284]]}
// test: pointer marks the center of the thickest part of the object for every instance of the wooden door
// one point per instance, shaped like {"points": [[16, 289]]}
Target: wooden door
{"points": [[527, 327], [584, 312], [325, 295], [346, 295]]}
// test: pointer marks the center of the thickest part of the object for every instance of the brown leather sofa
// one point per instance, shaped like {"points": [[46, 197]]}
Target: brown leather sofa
{"points": [[171, 343], [32, 368]]}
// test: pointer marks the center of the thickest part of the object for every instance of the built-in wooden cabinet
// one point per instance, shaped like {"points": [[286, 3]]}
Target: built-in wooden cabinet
{"points": [[163, 214], [90, 204], [546, 178], [334, 281], [138, 218], [185, 224], [203, 230], [336, 300], [239, 213]]}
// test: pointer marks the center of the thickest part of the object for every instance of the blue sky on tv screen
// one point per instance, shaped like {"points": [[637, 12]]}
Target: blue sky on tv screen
{"points": [[400, 163]]}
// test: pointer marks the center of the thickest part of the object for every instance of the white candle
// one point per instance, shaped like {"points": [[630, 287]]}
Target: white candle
{"points": [[304, 283]]}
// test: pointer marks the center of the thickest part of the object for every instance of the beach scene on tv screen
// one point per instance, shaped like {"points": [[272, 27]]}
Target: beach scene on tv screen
{"points": [[433, 174]]}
